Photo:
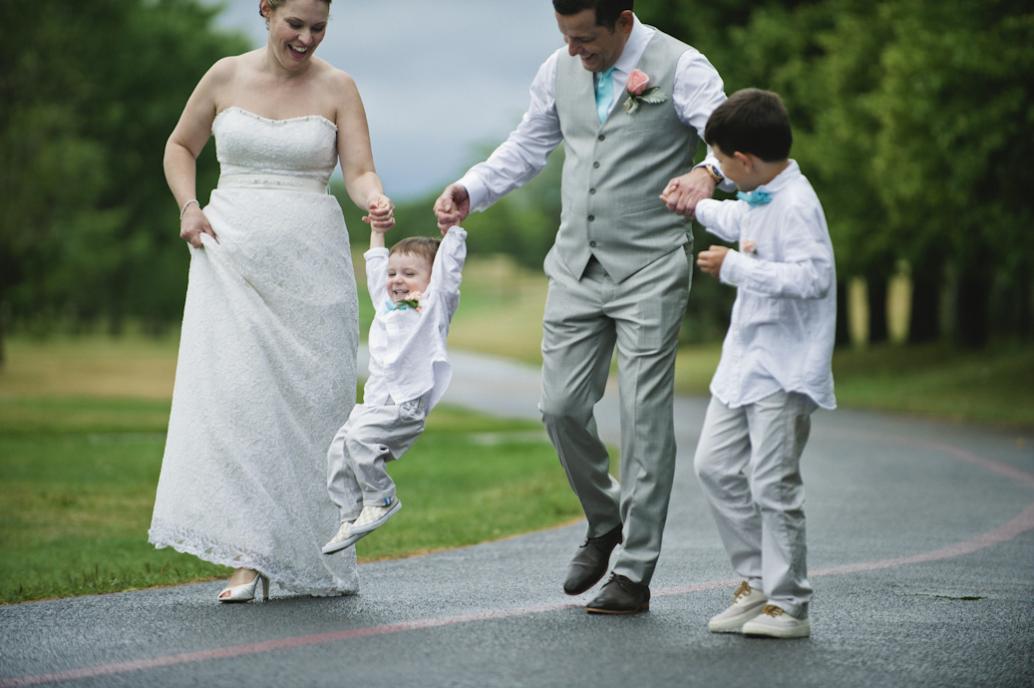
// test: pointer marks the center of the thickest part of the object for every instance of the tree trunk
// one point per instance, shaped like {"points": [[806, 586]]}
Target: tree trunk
{"points": [[3, 334], [843, 331], [876, 287], [924, 323], [972, 303]]}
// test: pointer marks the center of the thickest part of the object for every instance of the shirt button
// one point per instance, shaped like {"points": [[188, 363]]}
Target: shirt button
{"points": [[601, 137], [592, 244], [596, 165], [592, 191], [591, 218]]}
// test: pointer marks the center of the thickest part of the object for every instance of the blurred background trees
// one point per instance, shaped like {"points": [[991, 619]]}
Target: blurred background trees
{"points": [[912, 118], [88, 94]]}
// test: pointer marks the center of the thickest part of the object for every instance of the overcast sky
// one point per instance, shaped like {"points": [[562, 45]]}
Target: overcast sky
{"points": [[439, 78]]}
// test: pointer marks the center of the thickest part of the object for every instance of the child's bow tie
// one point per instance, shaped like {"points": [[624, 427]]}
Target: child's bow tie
{"points": [[405, 305], [755, 198]]}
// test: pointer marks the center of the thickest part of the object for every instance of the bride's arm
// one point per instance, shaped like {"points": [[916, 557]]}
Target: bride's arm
{"points": [[355, 152], [184, 145]]}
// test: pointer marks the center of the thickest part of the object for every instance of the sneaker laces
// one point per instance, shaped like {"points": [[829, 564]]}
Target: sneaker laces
{"points": [[773, 610], [741, 592]]}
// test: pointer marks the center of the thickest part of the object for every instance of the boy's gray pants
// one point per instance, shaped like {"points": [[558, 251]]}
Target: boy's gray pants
{"points": [[748, 462], [372, 436]]}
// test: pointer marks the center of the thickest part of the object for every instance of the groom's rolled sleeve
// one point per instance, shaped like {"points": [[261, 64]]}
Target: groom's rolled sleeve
{"points": [[525, 151], [698, 90]]}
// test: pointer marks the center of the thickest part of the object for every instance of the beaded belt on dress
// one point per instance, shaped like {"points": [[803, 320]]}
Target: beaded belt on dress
{"points": [[271, 181]]}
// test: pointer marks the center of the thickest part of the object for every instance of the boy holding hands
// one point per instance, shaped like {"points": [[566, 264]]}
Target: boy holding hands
{"points": [[775, 368], [415, 291]]}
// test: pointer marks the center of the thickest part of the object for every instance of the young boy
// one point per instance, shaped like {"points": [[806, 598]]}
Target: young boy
{"points": [[775, 364], [415, 291]]}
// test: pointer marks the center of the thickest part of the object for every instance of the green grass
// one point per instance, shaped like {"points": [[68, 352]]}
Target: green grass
{"points": [[79, 475], [993, 387], [82, 425]]}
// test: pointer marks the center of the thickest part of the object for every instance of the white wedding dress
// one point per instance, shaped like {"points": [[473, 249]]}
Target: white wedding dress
{"points": [[267, 362]]}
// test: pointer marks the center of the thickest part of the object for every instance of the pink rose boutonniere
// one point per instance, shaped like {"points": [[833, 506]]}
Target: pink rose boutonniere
{"points": [[640, 91], [415, 297]]}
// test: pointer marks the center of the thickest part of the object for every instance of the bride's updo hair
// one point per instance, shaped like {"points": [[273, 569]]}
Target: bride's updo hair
{"points": [[274, 4]]}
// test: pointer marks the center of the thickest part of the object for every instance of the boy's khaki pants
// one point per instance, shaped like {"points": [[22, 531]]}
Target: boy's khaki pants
{"points": [[748, 462], [373, 435]]}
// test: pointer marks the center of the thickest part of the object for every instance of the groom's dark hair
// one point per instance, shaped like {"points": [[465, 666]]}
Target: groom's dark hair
{"points": [[607, 11], [751, 121]]}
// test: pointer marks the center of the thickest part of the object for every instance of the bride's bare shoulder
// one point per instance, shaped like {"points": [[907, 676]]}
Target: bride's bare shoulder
{"points": [[330, 75], [227, 69]]}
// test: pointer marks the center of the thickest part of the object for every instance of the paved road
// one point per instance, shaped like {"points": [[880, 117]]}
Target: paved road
{"points": [[922, 556]]}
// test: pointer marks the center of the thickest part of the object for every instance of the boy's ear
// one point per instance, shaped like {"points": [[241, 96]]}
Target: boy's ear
{"points": [[745, 159]]}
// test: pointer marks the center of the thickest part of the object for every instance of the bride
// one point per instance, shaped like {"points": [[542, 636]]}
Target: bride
{"points": [[267, 360]]}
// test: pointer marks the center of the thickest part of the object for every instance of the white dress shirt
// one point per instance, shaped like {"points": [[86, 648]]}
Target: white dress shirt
{"points": [[408, 357], [697, 91], [783, 322]]}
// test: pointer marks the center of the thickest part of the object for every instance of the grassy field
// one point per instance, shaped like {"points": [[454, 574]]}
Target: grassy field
{"points": [[82, 429], [82, 424], [79, 473]]}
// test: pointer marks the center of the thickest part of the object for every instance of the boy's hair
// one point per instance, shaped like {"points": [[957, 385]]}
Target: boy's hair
{"points": [[423, 246], [607, 11], [751, 121]]}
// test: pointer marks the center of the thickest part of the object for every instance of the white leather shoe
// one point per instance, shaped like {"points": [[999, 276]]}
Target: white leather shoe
{"points": [[746, 604], [245, 592]]}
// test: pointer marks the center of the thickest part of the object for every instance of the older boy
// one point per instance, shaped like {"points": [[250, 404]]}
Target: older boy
{"points": [[775, 364]]}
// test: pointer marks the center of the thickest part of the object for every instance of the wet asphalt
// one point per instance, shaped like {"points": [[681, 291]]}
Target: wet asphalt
{"points": [[921, 552]]}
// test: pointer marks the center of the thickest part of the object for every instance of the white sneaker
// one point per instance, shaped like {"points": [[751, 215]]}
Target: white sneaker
{"points": [[774, 622], [343, 539], [746, 604], [373, 517]]}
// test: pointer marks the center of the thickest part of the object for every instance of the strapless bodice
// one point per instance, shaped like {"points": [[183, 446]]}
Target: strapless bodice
{"points": [[255, 151]]}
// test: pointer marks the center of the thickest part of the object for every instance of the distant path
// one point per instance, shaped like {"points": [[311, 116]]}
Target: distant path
{"points": [[921, 552]]}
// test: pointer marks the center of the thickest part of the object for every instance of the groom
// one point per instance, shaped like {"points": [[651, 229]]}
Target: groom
{"points": [[619, 270]]}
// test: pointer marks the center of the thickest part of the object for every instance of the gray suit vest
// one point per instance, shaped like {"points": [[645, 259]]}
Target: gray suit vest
{"points": [[614, 172]]}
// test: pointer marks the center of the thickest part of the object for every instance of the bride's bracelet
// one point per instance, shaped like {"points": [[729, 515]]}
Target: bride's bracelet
{"points": [[186, 205]]}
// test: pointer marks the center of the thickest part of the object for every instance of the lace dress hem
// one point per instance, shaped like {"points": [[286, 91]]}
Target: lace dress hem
{"points": [[191, 542]]}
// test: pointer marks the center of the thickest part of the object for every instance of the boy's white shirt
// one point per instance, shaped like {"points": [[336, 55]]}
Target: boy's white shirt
{"points": [[783, 323], [408, 356]]}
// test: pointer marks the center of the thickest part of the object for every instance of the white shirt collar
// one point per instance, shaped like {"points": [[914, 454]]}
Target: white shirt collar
{"points": [[635, 46], [789, 173]]}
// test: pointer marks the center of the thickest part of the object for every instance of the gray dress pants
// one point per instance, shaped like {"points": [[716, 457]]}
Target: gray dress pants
{"points": [[585, 317]]}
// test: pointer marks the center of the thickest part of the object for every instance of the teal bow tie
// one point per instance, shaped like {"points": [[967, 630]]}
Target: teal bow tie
{"points": [[404, 305], [755, 198]]}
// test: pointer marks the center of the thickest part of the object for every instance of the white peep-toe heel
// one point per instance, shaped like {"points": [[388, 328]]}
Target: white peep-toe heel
{"points": [[245, 592]]}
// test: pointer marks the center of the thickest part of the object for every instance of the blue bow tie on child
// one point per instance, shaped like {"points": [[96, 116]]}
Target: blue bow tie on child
{"points": [[755, 198], [390, 305]]}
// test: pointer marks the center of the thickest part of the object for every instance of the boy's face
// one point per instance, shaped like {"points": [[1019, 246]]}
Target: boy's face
{"points": [[739, 167], [407, 273]]}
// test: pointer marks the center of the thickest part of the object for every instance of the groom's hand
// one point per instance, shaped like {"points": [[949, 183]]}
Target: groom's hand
{"points": [[682, 194], [452, 207]]}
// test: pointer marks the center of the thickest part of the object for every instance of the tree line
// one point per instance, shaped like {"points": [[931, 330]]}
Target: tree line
{"points": [[912, 119]]}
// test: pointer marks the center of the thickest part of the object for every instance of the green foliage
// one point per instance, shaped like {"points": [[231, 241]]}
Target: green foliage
{"points": [[91, 91], [912, 118]]}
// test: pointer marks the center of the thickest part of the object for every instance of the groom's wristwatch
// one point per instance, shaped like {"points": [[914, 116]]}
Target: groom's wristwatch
{"points": [[713, 171]]}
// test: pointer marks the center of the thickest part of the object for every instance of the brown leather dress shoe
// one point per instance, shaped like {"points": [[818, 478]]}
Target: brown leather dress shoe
{"points": [[620, 595], [590, 562]]}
